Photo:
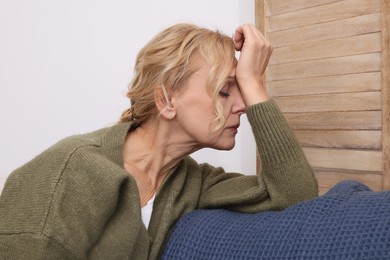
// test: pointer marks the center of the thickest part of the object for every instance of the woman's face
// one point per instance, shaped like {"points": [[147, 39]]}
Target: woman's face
{"points": [[196, 111]]}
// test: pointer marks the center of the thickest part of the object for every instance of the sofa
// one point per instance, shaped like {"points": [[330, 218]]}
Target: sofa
{"points": [[350, 221]]}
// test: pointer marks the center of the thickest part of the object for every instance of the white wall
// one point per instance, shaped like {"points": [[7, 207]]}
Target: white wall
{"points": [[65, 65]]}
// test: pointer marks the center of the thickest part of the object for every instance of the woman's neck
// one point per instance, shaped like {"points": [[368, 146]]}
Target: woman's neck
{"points": [[150, 153]]}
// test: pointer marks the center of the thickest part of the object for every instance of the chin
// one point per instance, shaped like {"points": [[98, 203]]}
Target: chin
{"points": [[225, 147]]}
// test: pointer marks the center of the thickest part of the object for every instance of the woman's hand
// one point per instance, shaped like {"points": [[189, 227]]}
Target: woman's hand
{"points": [[255, 51]]}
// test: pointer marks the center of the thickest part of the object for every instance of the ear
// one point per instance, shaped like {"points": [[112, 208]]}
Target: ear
{"points": [[164, 103]]}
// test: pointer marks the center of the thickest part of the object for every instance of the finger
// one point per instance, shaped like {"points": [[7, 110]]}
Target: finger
{"points": [[241, 34], [238, 38], [244, 33]]}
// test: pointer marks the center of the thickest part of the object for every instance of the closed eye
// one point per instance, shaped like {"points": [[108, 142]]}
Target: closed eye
{"points": [[224, 94], [230, 82]]}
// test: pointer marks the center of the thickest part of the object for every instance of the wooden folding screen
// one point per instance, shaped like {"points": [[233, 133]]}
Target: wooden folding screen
{"points": [[329, 73]]}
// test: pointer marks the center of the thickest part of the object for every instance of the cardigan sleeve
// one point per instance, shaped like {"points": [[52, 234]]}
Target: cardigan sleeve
{"points": [[286, 177], [25, 203], [32, 246], [58, 205]]}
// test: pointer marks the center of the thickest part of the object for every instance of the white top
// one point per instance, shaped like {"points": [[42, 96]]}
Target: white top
{"points": [[146, 211]]}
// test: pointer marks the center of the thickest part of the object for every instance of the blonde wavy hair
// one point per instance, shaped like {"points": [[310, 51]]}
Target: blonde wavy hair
{"points": [[168, 61]]}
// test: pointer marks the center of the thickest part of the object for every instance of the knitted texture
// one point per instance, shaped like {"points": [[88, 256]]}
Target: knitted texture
{"points": [[76, 201], [348, 222]]}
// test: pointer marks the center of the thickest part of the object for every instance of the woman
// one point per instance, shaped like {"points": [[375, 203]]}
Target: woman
{"points": [[116, 193]]}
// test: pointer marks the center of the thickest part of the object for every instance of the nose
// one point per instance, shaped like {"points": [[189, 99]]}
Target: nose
{"points": [[239, 106]]}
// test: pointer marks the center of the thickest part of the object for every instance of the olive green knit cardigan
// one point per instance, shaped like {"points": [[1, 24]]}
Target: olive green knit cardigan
{"points": [[76, 201]]}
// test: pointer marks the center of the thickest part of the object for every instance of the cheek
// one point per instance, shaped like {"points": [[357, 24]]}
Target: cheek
{"points": [[197, 117], [225, 108], [203, 109]]}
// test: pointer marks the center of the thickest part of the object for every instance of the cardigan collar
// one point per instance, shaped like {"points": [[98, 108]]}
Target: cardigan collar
{"points": [[113, 141]]}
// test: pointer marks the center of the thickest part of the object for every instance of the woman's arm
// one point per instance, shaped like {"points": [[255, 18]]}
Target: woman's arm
{"points": [[286, 177], [255, 52]]}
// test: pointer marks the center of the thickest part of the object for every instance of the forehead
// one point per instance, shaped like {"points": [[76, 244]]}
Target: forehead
{"points": [[233, 72], [202, 68]]}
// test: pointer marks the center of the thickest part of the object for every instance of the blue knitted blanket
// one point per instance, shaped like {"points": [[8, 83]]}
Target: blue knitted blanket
{"points": [[348, 222]]}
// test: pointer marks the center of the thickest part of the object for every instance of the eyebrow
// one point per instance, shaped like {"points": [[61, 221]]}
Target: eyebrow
{"points": [[230, 80]]}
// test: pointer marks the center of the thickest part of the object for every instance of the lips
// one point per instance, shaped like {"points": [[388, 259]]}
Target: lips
{"points": [[234, 128]]}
